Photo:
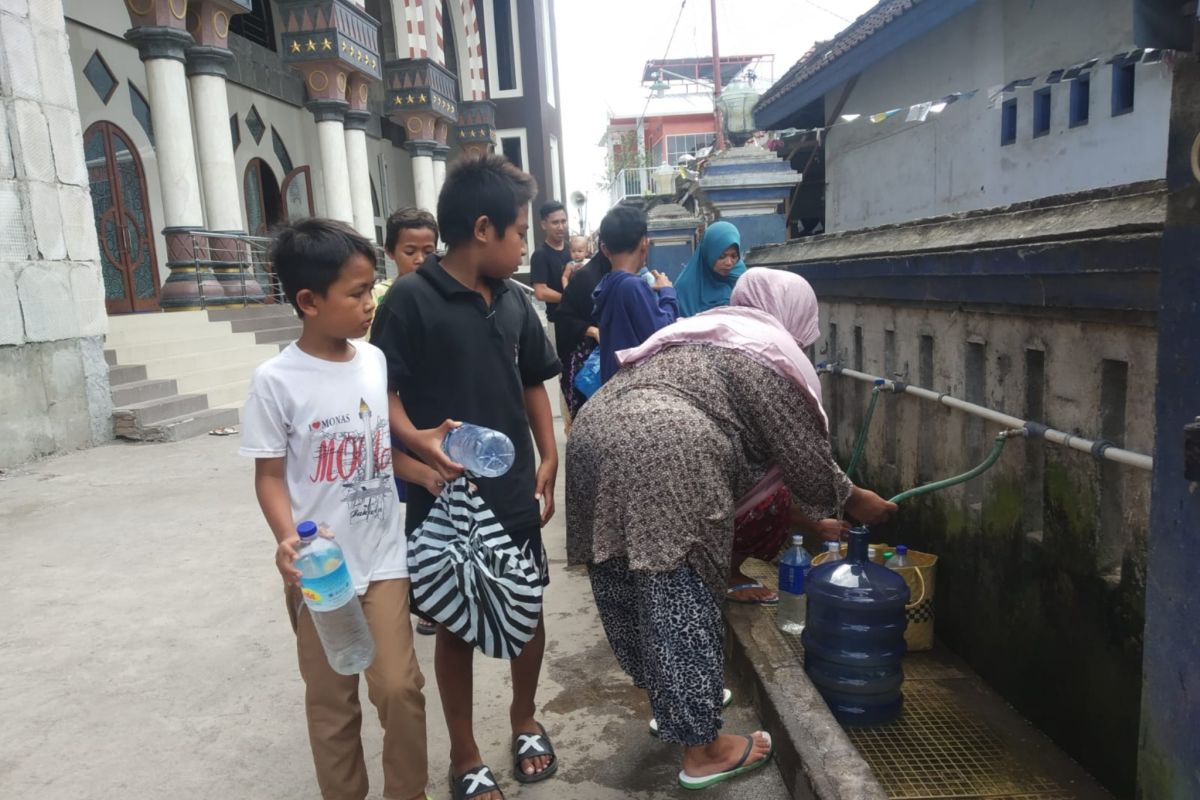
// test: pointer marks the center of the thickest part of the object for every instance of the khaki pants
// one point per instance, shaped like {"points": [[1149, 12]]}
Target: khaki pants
{"points": [[394, 683]]}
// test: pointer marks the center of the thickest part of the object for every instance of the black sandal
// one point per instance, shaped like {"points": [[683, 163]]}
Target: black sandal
{"points": [[473, 783], [532, 745]]}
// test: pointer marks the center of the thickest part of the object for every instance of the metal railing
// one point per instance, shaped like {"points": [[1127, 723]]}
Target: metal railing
{"points": [[641, 182], [233, 269]]}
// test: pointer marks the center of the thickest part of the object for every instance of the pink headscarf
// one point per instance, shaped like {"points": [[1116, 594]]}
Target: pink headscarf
{"points": [[773, 315]]}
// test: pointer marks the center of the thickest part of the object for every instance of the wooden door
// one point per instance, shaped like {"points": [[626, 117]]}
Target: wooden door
{"points": [[122, 216]]}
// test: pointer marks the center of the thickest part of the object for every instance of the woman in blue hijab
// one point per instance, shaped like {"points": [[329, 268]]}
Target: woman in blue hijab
{"points": [[708, 279]]}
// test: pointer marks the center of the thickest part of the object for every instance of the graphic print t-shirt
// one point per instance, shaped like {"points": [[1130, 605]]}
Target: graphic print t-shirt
{"points": [[330, 419]]}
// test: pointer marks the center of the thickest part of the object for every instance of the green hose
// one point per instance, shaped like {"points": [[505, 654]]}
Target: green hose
{"points": [[861, 443], [993, 456]]}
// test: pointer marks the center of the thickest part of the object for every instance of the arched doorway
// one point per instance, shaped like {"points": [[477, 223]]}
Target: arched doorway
{"points": [[297, 194], [122, 215], [264, 208]]}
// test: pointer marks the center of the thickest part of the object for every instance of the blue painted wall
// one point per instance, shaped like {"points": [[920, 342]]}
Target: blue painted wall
{"points": [[1169, 758], [759, 230], [669, 258]]}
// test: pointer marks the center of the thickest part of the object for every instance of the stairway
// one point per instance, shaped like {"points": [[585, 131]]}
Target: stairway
{"points": [[186, 373]]}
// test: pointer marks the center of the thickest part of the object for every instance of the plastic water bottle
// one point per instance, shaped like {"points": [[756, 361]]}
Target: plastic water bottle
{"points": [[331, 599], [482, 451], [645, 274], [901, 558], [793, 571], [834, 549]]}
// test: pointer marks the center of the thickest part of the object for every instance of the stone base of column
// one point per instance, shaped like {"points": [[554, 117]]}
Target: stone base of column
{"points": [[229, 259], [191, 286]]}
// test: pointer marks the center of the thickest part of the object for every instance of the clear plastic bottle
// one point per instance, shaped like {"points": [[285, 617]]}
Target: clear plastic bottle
{"points": [[793, 571], [901, 558], [834, 549], [331, 599], [482, 451]]}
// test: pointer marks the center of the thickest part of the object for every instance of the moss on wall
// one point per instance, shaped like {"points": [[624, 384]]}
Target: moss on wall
{"points": [[1058, 641]]}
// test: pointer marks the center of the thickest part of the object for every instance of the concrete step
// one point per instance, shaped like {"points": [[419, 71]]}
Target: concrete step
{"points": [[253, 312], [125, 322], [279, 335], [263, 323], [205, 379], [151, 411], [176, 347], [134, 392], [229, 395], [184, 426], [119, 375], [247, 356]]}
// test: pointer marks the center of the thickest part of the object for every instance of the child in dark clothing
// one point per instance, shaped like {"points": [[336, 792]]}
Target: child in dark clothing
{"points": [[462, 341], [627, 309]]}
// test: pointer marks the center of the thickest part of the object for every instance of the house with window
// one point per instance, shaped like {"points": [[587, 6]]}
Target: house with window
{"points": [[1063, 101], [674, 124], [991, 207]]}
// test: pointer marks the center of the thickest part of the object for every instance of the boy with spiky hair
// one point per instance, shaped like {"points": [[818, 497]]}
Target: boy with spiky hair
{"points": [[464, 344]]}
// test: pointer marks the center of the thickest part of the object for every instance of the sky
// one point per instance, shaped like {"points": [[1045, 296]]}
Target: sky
{"points": [[602, 48]]}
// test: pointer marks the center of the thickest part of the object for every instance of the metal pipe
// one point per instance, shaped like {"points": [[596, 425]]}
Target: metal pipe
{"points": [[946, 483], [1099, 449]]}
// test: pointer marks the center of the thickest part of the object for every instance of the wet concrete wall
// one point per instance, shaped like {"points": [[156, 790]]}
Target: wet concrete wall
{"points": [[1042, 576]]}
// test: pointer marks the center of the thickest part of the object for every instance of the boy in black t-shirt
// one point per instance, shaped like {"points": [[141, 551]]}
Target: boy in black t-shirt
{"points": [[462, 341]]}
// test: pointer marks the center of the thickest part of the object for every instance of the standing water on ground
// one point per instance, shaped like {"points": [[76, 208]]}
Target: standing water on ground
{"points": [[482, 451], [793, 571], [333, 603]]}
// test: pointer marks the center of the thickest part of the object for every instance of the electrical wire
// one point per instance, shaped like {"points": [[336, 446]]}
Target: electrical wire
{"points": [[666, 52], [820, 7]]}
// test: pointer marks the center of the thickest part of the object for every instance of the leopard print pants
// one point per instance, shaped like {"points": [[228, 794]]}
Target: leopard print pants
{"points": [[666, 631]]}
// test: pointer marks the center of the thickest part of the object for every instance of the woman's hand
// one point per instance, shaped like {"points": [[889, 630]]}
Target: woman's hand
{"points": [[868, 507], [830, 530], [594, 333]]}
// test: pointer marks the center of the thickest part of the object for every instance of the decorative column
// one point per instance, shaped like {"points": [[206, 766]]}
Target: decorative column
{"points": [[746, 186], [207, 66], [476, 128], [159, 34], [357, 119], [329, 41], [421, 96], [440, 154]]}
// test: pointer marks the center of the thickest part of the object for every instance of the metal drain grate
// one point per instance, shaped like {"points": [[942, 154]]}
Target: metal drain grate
{"points": [[937, 750]]}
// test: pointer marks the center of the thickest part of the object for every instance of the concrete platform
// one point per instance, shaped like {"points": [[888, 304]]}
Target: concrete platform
{"points": [[146, 651], [956, 738]]}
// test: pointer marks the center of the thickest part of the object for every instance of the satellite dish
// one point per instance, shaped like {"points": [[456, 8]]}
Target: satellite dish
{"points": [[578, 199]]}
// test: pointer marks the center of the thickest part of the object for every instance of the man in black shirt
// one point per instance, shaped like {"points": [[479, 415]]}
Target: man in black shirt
{"points": [[546, 266]]}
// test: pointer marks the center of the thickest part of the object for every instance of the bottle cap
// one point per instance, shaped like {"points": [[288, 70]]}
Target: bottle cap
{"points": [[833, 547], [798, 538], [307, 529], [901, 549], [888, 554]]}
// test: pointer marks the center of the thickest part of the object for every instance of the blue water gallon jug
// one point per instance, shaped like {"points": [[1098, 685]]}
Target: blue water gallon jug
{"points": [[854, 637]]}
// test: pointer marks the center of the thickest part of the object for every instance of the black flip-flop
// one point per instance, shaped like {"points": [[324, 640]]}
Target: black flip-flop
{"points": [[474, 782], [532, 745]]}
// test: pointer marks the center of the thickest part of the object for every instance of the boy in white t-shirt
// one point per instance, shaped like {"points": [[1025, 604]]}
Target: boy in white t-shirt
{"points": [[316, 422]]}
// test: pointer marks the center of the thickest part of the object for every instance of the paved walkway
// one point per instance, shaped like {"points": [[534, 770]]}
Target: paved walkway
{"points": [[146, 654]]}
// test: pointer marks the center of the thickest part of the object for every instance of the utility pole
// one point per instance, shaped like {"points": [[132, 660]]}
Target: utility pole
{"points": [[720, 142]]}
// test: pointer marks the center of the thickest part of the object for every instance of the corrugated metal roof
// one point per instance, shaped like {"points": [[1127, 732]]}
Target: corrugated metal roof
{"points": [[823, 54]]}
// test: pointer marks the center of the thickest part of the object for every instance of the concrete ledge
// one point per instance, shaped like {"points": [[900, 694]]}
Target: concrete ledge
{"points": [[814, 755]]}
